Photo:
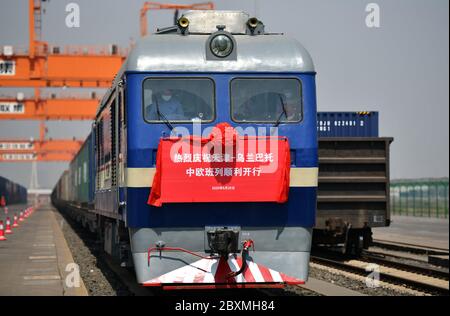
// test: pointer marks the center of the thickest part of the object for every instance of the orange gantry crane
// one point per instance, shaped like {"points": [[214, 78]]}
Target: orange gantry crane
{"points": [[45, 66], [166, 6]]}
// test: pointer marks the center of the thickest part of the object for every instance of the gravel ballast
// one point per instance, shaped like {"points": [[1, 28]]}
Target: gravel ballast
{"points": [[99, 279], [354, 284]]}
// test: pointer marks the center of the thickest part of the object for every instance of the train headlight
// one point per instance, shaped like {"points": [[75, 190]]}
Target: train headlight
{"points": [[221, 45]]}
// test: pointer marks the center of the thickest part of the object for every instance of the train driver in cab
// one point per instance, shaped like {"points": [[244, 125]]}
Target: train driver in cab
{"points": [[291, 106], [163, 107]]}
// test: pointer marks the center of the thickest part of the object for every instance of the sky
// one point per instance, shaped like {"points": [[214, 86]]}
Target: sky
{"points": [[400, 69]]}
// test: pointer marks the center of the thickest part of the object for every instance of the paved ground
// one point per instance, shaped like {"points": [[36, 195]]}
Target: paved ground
{"points": [[428, 232], [34, 259], [328, 289]]}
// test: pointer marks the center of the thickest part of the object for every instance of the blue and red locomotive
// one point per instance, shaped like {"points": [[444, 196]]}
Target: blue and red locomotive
{"points": [[212, 67]]}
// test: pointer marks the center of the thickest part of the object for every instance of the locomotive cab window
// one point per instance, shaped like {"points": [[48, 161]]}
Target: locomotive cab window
{"points": [[178, 100], [266, 100]]}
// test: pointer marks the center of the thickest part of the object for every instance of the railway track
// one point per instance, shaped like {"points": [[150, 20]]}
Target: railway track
{"points": [[411, 248], [406, 263], [127, 278], [390, 272]]}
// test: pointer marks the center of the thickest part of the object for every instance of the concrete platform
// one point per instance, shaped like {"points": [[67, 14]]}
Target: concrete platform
{"points": [[34, 259], [421, 231], [328, 289]]}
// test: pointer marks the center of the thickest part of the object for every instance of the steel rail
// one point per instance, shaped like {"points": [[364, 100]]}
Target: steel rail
{"points": [[389, 278]]}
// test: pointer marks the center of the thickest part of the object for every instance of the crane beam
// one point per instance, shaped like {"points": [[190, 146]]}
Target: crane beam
{"points": [[40, 157], [48, 109], [30, 146], [56, 70], [19, 150]]}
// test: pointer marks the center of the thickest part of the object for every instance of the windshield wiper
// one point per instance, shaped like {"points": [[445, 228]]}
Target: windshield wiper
{"points": [[283, 112], [160, 115]]}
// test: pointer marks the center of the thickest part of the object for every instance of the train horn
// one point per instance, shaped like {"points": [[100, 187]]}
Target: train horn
{"points": [[252, 22], [183, 22]]}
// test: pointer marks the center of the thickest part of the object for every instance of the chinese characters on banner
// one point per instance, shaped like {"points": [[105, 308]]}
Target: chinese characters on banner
{"points": [[255, 169]]}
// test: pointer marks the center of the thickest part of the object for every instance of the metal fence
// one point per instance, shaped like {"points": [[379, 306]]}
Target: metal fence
{"points": [[424, 197]]}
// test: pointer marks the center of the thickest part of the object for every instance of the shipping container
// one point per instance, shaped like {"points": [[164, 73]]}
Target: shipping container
{"points": [[347, 124], [91, 168], [13, 193], [80, 173], [62, 188]]}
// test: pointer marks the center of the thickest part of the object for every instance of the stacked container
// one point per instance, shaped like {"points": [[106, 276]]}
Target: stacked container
{"points": [[347, 124]]}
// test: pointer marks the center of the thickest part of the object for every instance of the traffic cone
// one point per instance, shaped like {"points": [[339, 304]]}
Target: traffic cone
{"points": [[15, 224], [21, 217], [2, 233], [25, 213], [8, 226]]}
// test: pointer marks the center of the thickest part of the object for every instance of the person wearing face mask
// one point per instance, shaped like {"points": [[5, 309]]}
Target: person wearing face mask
{"points": [[166, 106]]}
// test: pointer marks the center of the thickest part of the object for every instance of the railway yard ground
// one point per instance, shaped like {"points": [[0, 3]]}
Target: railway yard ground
{"points": [[420, 231], [37, 259]]}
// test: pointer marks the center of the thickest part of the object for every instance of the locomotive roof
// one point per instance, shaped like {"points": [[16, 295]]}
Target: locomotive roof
{"points": [[170, 51], [187, 53]]}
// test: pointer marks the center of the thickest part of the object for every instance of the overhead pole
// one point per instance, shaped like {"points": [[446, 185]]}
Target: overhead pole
{"points": [[31, 7], [34, 183]]}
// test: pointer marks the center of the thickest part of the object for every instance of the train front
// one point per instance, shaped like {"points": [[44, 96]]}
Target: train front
{"points": [[221, 154]]}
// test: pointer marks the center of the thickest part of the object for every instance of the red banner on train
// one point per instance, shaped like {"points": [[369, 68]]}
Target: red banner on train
{"points": [[193, 170]]}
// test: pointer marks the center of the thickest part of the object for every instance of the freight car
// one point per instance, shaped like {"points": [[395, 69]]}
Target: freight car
{"points": [[12, 193], [353, 191], [216, 83]]}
